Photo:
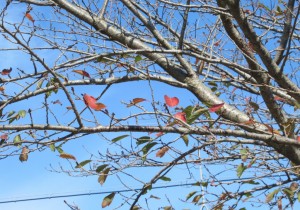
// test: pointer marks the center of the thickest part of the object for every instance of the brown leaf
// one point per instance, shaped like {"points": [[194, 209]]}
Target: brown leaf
{"points": [[83, 73], [6, 71], [24, 154], [103, 176], [29, 17], [136, 101], [162, 152], [67, 156]]}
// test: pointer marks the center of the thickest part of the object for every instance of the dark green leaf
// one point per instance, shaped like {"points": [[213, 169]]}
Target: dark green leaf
{"points": [[164, 178], [118, 138], [107, 200], [190, 195], [100, 168], [254, 105], [196, 198], [147, 147], [143, 140], [83, 163], [103, 176], [138, 58]]}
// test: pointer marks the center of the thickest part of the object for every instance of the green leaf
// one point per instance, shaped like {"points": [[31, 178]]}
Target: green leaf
{"points": [[10, 113], [60, 150], [17, 140], [168, 208], [298, 196], [83, 163], [240, 169], [251, 182], [193, 113], [52, 147], [137, 58], [100, 168], [164, 178], [103, 176], [22, 113], [143, 140], [190, 195], [244, 154], [40, 83], [289, 194], [147, 147], [213, 84], [185, 139], [108, 200], [271, 195], [114, 140], [204, 184], [243, 208]]}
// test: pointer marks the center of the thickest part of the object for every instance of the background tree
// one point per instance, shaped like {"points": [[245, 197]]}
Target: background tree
{"points": [[232, 110]]}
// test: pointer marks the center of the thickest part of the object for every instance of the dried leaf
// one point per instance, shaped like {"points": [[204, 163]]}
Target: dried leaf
{"points": [[6, 71], [67, 156], [162, 152], [136, 101], [91, 102], [171, 102], [29, 17], [216, 107], [83, 73], [24, 154]]}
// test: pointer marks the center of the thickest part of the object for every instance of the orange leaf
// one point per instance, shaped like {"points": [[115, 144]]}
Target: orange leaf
{"points": [[83, 73], [162, 152], [298, 138], [2, 88], [6, 71], [67, 156], [277, 98], [4, 137], [216, 107], [249, 122], [91, 102], [28, 15], [136, 101], [180, 116], [171, 101]]}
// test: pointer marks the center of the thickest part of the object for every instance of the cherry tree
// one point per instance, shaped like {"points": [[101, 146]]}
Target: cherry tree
{"points": [[168, 87]]}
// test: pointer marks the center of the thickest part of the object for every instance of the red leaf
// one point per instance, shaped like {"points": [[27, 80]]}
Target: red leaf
{"points": [[6, 71], [298, 138], [91, 102], [180, 116], [217, 43], [29, 17], [171, 101], [136, 101], [277, 98], [160, 134], [4, 137], [83, 73], [216, 107]]}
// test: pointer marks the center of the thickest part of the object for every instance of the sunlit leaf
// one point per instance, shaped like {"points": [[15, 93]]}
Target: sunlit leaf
{"points": [[91, 102], [168, 208], [60, 150], [17, 140], [185, 139], [160, 153], [180, 116], [171, 102], [103, 176], [271, 195], [114, 140], [108, 200], [24, 154], [83, 163], [67, 156], [136, 101], [240, 170], [22, 113], [52, 147], [83, 73], [216, 107]]}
